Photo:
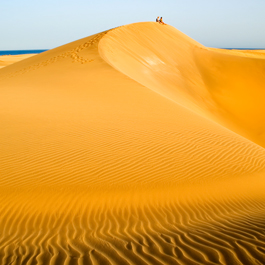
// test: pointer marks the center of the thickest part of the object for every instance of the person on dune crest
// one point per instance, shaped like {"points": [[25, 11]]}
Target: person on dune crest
{"points": [[161, 21]]}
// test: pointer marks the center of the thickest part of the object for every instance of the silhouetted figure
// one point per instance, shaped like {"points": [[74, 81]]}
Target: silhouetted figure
{"points": [[157, 19], [161, 21]]}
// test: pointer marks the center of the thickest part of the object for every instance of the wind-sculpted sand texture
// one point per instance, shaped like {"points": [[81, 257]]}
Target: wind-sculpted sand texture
{"points": [[133, 146]]}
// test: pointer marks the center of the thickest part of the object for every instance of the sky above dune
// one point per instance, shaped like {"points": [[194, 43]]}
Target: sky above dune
{"points": [[47, 24]]}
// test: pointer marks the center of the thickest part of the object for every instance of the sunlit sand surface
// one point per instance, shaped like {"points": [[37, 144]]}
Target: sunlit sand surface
{"points": [[137, 145], [6, 60]]}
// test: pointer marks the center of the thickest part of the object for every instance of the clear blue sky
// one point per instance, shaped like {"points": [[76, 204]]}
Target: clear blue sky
{"points": [[33, 24]]}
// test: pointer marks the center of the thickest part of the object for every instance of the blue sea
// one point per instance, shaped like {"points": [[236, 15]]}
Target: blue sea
{"points": [[17, 52], [243, 48]]}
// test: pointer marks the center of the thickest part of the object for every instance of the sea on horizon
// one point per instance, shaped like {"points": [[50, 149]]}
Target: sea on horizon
{"points": [[243, 48], [18, 52]]}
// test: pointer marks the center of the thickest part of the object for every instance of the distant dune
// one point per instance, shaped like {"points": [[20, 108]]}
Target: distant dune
{"points": [[10, 59], [136, 145]]}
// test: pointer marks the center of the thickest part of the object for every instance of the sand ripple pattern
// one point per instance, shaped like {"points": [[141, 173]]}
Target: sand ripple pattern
{"points": [[172, 233], [132, 157]]}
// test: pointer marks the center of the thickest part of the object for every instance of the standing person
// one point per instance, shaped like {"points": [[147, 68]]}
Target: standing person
{"points": [[157, 19]]}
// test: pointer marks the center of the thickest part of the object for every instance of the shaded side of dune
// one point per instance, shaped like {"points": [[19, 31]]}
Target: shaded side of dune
{"points": [[224, 86]]}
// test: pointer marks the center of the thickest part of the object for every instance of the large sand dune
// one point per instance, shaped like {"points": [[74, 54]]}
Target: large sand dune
{"points": [[137, 145]]}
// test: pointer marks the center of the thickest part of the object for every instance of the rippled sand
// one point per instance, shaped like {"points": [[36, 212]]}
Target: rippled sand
{"points": [[137, 145]]}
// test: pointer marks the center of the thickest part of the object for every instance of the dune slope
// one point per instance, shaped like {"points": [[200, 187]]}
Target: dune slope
{"points": [[118, 149], [225, 86]]}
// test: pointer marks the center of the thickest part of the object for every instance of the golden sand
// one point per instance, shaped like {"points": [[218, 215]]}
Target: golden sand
{"points": [[6, 60], [137, 145]]}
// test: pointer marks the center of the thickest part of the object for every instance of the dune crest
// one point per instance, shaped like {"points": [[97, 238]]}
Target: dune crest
{"points": [[224, 86], [123, 148]]}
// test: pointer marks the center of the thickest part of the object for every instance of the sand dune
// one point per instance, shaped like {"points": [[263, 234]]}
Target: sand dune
{"points": [[6, 60], [122, 149]]}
